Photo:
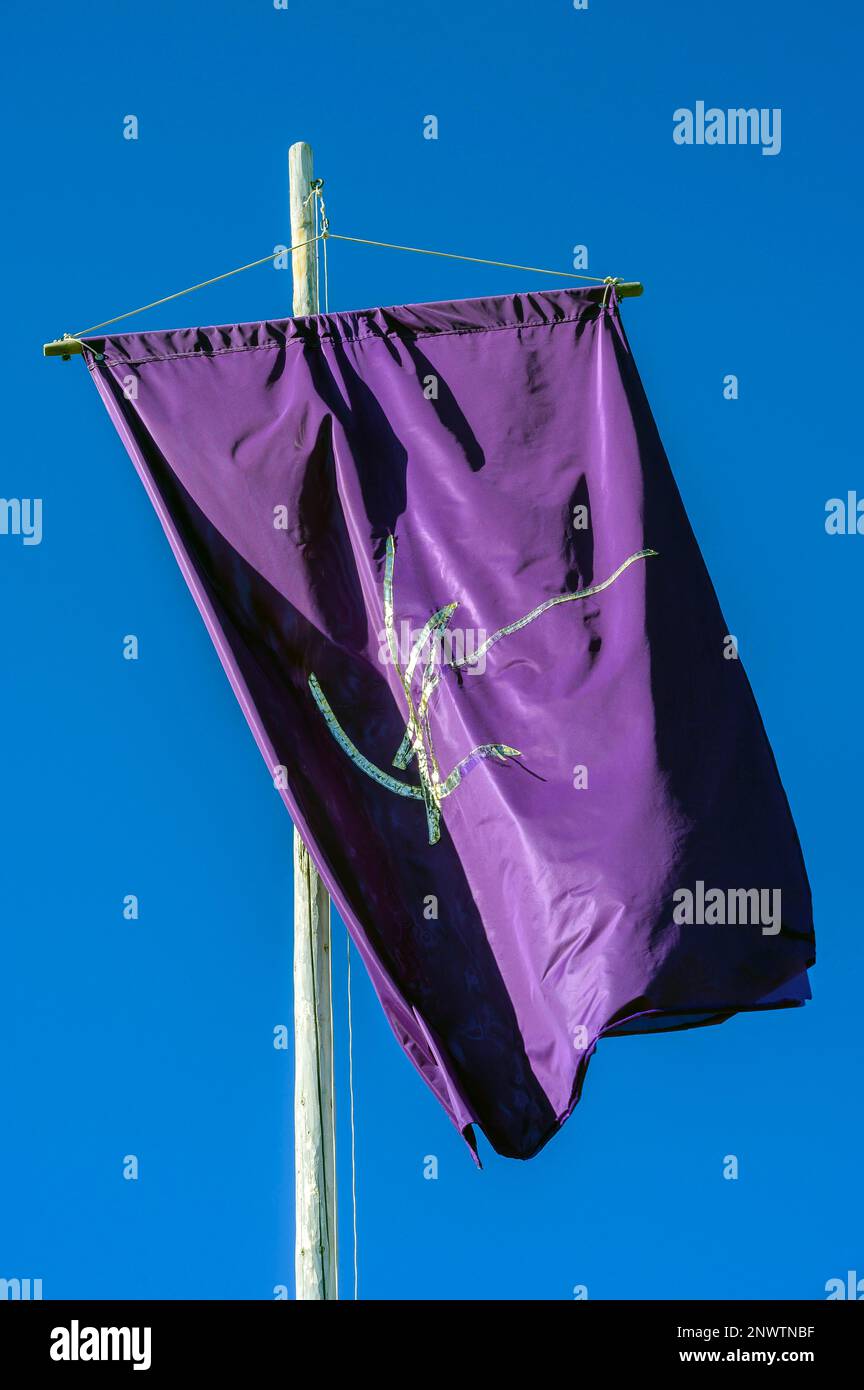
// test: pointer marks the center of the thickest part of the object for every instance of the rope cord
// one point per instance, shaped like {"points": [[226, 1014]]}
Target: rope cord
{"points": [[191, 289], [324, 234], [314, 193], [320, 235], [476, 260], [308, 870], [332, 1236]]}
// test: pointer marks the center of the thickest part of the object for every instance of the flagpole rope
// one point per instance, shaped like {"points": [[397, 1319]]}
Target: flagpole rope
{"points": [[323, 1204], [324, 235], [331, 1235], [191, 289], [320, 235], [316, 194], [476, 260]]}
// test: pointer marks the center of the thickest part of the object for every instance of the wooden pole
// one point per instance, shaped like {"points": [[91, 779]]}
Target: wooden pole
{"points": [[316, 1245]]}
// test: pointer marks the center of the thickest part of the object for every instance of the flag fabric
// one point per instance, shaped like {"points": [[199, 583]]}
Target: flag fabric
{"points": [[448, 572]]}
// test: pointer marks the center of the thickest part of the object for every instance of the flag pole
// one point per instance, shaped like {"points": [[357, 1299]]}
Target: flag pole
{"points": [[316, 1246]]}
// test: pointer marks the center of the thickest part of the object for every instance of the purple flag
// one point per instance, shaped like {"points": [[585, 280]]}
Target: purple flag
{"points": [[449, 575]]}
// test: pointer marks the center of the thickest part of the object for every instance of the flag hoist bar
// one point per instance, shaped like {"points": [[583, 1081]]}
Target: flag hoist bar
{"points": [[70, 345]]}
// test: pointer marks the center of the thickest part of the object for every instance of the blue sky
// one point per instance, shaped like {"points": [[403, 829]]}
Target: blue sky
{"points": [[154, 1038]]}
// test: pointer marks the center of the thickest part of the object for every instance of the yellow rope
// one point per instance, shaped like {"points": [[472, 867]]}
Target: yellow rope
{"points": [[203, 285], [477, 260], [338, 236]]}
